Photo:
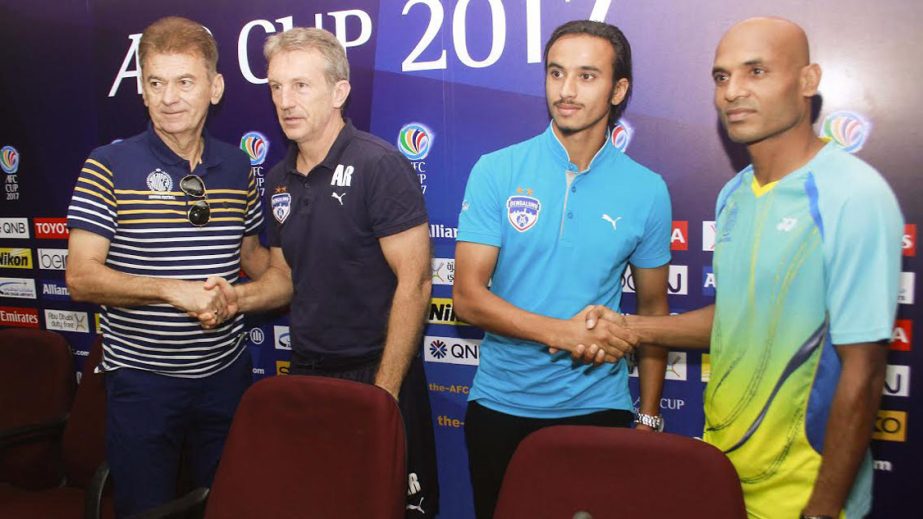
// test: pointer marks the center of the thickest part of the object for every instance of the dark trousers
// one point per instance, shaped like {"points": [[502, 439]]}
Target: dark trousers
{"points": [[413, 401], [151, 420], [492, 438]]}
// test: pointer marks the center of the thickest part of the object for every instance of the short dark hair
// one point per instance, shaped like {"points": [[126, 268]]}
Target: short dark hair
{"points": [[621, 66]]}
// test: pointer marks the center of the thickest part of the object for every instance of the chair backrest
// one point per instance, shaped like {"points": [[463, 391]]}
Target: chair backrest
{"points": [[36, 386], [84, 442], [305, 446], [611, 473]]}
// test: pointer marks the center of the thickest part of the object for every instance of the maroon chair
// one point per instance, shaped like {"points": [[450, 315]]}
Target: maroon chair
{"points": [[83, 455], [36, 389], [304, 446], [602, 473]]}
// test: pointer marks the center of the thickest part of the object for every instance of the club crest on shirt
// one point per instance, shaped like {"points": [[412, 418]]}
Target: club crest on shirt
{"points": [[159, 180], [523, 211], [281, 206]]}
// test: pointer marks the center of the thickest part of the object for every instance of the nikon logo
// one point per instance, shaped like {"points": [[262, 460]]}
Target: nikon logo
{"points": [[15, 258]]}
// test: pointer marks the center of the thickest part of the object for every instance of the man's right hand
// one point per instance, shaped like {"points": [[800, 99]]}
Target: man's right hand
{"points": [[223, 289], [193, 298], [607, 340]]}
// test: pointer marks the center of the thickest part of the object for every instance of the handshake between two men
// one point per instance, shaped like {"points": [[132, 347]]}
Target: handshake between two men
{"points": [[595, 335]]}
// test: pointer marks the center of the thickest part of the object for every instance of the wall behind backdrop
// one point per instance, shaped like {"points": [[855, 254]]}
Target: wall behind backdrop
{"points": [[446, 81]]}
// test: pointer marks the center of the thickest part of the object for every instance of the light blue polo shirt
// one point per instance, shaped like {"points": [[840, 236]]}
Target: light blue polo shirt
{"points": [[565, 238]]}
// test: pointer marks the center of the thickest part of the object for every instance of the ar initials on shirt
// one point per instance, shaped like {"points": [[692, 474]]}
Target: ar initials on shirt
{"points": [[342, 176]]}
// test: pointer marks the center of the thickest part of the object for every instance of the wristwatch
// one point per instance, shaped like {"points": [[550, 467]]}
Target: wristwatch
{"points": [[654, 422], [805, 516]]}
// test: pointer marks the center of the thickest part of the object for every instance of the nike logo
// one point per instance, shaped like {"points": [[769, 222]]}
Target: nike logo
{"points": [[611, 221]]}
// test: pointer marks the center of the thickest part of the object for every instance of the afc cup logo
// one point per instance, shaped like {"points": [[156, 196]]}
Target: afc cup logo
{"points": [[848, 129], [414, 141], [621, 135], [9, 160], [158, 180], [256, 146]]}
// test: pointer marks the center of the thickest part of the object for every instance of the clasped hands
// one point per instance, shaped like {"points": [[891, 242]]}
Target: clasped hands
{"points": [[212, 302], [596, 335]]}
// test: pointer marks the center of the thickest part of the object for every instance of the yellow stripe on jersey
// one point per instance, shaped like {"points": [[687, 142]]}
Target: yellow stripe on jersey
{"points": [[759, 190], [100, 166], [97, 194]]}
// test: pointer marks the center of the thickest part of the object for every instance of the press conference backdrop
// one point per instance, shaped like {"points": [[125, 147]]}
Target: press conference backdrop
{"points": [[446, 81]]}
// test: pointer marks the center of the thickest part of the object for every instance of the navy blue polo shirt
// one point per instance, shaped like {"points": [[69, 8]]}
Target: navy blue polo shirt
{"points": [[328, 224], [128, 192]]}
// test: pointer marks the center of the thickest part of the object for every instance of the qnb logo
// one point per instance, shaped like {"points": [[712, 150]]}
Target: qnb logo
{"points": [[414, 140], [14, 228], [9, 160], [451, 350], [847, 129], [621, 135], [438, 349], [256, 146]]}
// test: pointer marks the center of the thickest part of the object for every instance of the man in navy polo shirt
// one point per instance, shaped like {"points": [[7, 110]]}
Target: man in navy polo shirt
{"points": [[348, 216], [151, 218], [548, 227]]}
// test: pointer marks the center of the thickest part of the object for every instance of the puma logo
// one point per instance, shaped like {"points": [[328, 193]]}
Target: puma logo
{"points": [[338, 197], [418, 506], [613, 222]]}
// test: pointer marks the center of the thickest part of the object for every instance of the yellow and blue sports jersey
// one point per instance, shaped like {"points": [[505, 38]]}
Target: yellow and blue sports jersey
{"points": [[802, 264], [565, 237]]}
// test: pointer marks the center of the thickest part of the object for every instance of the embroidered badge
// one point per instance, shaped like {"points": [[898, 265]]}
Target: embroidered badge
{"points": [[159, 180], [281, 206], [523, 211]]}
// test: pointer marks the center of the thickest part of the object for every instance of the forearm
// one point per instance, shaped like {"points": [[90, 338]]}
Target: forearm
{"points": [[102, 285], [478, 306], [687, 330], [254, 258], [272, 290], [848, 433], [652, 361], [405, 326]]}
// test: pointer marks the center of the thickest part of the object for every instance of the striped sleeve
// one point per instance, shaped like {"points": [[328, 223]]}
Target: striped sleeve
{"points": [[254, 219], [93, 205]]}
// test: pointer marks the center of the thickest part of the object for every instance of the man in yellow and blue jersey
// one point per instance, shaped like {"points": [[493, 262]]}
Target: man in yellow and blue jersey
{"points": [[807, 263], [153, 216]]}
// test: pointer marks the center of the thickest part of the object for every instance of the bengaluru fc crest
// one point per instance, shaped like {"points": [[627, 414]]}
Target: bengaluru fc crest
{"points": [[281, 206], [523, 211]]}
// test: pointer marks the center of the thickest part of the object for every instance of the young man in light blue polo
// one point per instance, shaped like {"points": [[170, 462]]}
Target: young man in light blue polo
{"points": [[547, 228]]}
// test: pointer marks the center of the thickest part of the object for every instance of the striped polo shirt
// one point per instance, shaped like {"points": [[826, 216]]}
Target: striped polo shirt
{"points": [[128, 192]]}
